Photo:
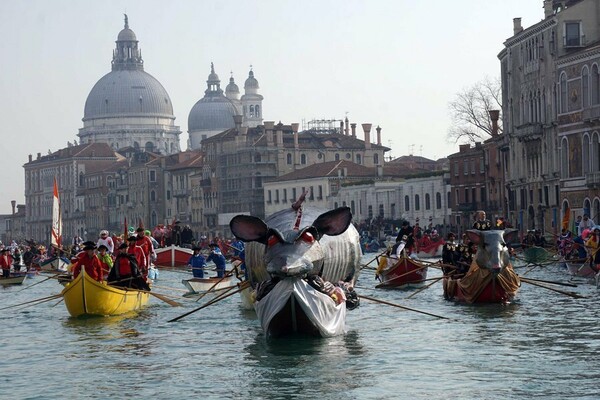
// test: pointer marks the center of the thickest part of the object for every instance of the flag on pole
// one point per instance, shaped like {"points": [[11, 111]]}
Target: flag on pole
{"points": [[56, 239]]}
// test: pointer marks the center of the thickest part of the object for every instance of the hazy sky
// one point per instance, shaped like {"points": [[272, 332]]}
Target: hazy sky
{"points": [[393, 63]]}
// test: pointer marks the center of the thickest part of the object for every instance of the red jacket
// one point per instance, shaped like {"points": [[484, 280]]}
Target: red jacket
{"points": [[92, 266], [6, 261], [140, 258], [146, 244]]}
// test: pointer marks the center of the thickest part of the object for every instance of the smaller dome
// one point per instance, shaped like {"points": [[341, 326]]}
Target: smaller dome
{"points": [[251, 82], [232, 87], [212, 114], [127, 35]]}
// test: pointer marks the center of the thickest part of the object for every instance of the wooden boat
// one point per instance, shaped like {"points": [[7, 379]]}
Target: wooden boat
{"points": [[580, 267], [480, 285], [406, 272], [536, 255], [293, 307], [13, 280], [201, 285], [55, 264], [172, 256], [431, 249], [85, 296]]}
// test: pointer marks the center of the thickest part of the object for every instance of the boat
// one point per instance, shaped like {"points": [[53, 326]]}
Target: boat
{"points": [[580, 267], [13, 280], [201, 285], [55, 264], [404, 273], [85, 296], [172, 256], [536, 255], [431, 248], [481, 285]]}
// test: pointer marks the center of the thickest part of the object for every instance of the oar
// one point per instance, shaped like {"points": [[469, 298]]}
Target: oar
{"points": [[54, 296], [363, 266], [227, 275], [436, 280], [399, 306], [37, 283], [170, 302], [42, 301], [213, 301], [575, 295], [552, 282]]}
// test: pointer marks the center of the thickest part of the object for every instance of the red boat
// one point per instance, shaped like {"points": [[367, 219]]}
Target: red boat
{"points": [[481, 285], [172, 256], [405, 272]]}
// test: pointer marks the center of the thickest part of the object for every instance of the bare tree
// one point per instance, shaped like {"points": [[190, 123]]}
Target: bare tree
{"points": [[470, 111]]}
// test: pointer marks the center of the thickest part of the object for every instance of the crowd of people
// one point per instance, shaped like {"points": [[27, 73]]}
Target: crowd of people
{"points": [[584, 246]]}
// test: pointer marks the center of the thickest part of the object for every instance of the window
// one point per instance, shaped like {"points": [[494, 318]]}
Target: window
{"points": [[438, 200], [370, 212], [466, 195], [257, 111], [277, 196], [392, 210], [585, 87], [406, 203], [427, 202], [303, 159], [284, 195], [595, 86], [269, 197], [152, 177], [257, 157], [466, 167], [293, 195], [358, 159], [312, 193], [152, 195], [586, 154], [381, 211], [564, 158], [563, 93], [352, 207], [573, 37], [456, 168], [320, 197], [289, 159], [481, 165], [482, 194], [168, 195], [417, 202], [376, 158], [337, 156]]}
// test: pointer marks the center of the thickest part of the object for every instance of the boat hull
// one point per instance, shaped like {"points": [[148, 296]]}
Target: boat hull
{"points": [[482, 286], [85, 296], [406, 272], [294, 307], [13, 280], [201, 285], [173, 256], [55, 264]]}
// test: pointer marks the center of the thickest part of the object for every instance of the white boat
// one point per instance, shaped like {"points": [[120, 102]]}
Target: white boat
{"points": [[201, 285], [55, 264], [293, 306]]}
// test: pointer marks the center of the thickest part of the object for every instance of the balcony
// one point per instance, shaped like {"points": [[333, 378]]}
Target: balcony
{"points": [[592, 113], [181, 192], [529, 132], [592, 180]]}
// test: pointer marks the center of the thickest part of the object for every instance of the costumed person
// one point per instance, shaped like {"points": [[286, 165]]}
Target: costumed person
{"points": [[106, 241], [5, 262], [17, 259], [529, 239], [481, 223], [140, 256], [105, 260], [218, 258], [90, 262], [500, 224], [538, 239], [197, 263], [586, 223], [146, 244], [564, 243], [450, 254], [593, 247], [125, 272]]}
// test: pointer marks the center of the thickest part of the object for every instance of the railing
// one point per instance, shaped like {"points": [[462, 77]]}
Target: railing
{"points": [[591, 113], [592, 179]]}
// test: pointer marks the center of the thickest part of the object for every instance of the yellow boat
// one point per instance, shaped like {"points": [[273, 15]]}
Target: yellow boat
{"points": [[85, 296]]}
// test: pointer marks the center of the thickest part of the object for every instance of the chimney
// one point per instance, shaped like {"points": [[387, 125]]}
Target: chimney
{"points": [[378, 129], [548, 10], [494, 116], [464, 147], [517, 25], [13, 203], [30, 158], [367, 130], [237, 120], [295, 126], [279, 135], [269, 125], [347, 124], [353, 126]]}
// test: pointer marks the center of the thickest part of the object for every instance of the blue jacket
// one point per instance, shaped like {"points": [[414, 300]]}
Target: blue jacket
{"points": [[197, 262]]}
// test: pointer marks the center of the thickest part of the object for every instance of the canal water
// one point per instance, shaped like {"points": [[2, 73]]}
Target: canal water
{"points": [[543, 345]]}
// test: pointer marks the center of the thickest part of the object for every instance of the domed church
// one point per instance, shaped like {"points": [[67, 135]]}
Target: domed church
{"points": [[128, 107], [214, 112]]}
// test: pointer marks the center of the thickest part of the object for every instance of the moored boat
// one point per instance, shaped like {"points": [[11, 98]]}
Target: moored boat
{"points": [[172, 256], [405, 272], [85, 296]]}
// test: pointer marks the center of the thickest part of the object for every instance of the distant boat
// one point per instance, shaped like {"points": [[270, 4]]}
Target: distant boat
{"points": [[404, 273], [173, 256], [13, 280]]}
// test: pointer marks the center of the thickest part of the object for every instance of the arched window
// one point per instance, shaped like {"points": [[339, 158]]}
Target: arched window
{"points": [[427, 202], [595, 86], [136, 145], [406, 203], [585, 87], [564, 158], [358, 159], [303, 159], [153, 219], [337, 156], [595, 153], [149, 146], [417, 202], [438, 200], [585, 154], [381, 211], [289, 159], [352, 207], [251, 111], [563, 93], [376, 158], [152, 195], [257, 111]]}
